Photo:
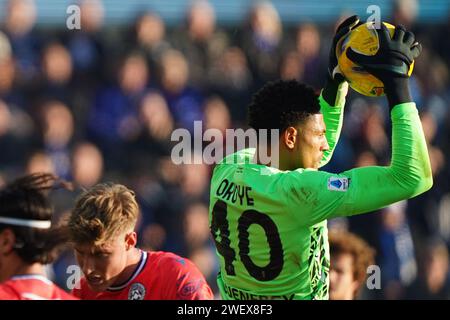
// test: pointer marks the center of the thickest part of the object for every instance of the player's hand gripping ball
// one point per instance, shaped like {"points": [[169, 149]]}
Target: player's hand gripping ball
{"points": [[364, 40]]}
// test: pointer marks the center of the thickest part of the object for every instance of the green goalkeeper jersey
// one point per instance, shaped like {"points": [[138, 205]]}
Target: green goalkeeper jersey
{"points": [[270, 226]]}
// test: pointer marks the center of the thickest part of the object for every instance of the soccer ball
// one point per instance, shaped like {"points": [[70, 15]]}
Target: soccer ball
{"points": [[364, 40]]}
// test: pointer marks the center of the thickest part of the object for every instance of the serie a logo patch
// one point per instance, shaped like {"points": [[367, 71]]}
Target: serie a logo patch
{"points": [[338, 184]]}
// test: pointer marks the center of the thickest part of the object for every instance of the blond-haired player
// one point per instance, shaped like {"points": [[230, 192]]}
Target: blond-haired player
{"points": [[101, 228]]}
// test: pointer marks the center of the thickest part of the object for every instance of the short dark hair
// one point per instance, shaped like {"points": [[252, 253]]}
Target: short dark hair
{"points": [[281, 104], [26, 198]]}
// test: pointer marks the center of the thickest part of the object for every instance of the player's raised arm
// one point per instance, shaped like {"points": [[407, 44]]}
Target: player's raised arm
{"points": [[332, 97], [366, 189]]}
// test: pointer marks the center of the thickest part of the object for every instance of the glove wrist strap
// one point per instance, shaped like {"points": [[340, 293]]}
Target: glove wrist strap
{"points": [[397, 91]]}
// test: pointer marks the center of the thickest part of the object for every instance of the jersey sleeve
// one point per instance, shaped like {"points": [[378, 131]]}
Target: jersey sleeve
{"points": [[186, 282], [314, 196], [333, 117]]}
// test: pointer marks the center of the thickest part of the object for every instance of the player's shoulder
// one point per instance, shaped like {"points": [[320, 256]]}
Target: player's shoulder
{"points": [[165, 258], [241, 166], [168, 261], [244, 156], [302, 176], [7, 291]]}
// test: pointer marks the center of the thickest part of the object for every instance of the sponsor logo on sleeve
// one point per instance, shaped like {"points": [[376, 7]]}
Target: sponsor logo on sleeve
{"points": [[338, 184]]}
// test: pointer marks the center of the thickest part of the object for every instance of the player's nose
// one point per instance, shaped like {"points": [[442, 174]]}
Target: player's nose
{"points": [[325, 146], [87, 266]]}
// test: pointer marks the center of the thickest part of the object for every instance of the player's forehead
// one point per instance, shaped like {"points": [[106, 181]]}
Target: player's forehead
{"points": [[92, 248], [314, 123]]}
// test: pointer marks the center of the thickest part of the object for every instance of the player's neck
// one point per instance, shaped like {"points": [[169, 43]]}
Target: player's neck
{"points": [[17, 267], [35, 268], [133, 258], [263, 156], [281, 161]]}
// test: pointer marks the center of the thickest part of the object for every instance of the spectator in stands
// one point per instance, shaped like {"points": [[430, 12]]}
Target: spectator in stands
{"points": [[200, 41], [433, 281], [185, 102]]}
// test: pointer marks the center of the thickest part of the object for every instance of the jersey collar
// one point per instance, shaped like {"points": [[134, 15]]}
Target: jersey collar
{"points": [[31, 277], [136, 272]]}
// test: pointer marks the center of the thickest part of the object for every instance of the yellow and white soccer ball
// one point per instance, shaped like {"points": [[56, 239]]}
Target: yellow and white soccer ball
{"points": [[364, 40]]}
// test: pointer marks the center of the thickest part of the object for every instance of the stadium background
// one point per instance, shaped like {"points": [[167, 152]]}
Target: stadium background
{"points": [[100, 103]]}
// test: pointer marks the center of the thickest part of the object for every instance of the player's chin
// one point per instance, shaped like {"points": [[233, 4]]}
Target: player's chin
{"points": [[98, 285]]}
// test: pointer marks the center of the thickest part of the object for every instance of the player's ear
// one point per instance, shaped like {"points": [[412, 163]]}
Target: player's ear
{"points": [[7, 240], [290, 137], [130, 240]]}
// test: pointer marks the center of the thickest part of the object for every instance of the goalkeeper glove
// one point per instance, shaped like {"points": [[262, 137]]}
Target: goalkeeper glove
{"points": [[391, 63], [341, 32], [336, 87]]}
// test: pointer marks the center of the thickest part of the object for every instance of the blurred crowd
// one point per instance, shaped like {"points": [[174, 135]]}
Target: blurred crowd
{"points": [[100, 103]]}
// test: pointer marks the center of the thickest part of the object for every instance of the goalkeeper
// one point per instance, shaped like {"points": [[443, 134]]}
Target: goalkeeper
{"points": [[269, 224]]}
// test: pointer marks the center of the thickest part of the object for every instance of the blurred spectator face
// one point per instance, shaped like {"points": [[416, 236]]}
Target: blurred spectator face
{"points": [[437, 160], [6, 64], [20, 16], [153, 237], [57, 64], [92, 14], [87, 165], [133, 76], [432, 71], [405, 12], [202, 20], [291, 67], [266, 22], [175, 71], [196, 225], [195, 179], [40, 162], [366, 159], [5, 118], [217, 115], [150, 30], [234, 67], [429, 125], [343, 284], [7, 75], [58, 124], [393, 217], [308, 41], [5, 47], [156, 117], [205, 261], [170, 172], [436, 268]]}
